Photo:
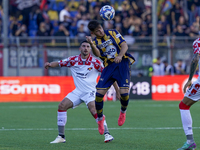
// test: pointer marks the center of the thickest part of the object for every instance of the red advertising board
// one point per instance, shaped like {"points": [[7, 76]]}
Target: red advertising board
{"points": [[39, 89], [169, 87], [15, 89]]}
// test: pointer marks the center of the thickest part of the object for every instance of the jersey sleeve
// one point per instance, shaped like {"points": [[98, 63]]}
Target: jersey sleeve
{"points": [[98, 65], [196, 46], [118, 37], [68, 62]]}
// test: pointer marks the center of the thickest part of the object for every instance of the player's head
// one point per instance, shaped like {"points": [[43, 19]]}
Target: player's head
{"points": [[96, 28], [85, 48]]}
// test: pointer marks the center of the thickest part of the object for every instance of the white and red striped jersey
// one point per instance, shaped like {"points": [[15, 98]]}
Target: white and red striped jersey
{"points": [[84, 72], [196, 49]]}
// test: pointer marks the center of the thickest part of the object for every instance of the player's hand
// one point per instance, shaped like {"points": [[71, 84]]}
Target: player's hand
{"points": [[118, 59], [188, 84], [89, 39], [47, 65]]}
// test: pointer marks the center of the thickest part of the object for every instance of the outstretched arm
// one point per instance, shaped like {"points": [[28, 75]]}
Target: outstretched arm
{"points": [[193, 67], [51, 64], [95, 50]]}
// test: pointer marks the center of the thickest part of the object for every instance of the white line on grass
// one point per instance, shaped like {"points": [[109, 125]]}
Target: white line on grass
{"points": [[81, 106], [87, 129]]}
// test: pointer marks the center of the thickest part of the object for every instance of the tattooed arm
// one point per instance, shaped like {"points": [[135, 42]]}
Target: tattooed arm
{"points": [[193, 67]]}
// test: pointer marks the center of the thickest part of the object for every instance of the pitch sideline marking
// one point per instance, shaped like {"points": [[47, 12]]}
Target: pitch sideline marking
{"points": [[86, 129]]}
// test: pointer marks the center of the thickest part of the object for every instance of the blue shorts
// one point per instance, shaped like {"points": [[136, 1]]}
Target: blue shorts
{"points": [[115, 72]]}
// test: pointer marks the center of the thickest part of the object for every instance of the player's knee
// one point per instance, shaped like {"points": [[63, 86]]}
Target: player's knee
{"points": [[64, 106], [183, 106], [125, 96]]}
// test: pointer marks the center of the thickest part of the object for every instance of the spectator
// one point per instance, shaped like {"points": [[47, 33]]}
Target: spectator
{"points": [[165, 25], [39, 17], [179, 31], [144, 30], [67, 22], [118, 21], [180, 67], [161, 32], [194, 30], [158, 68], [49, 27], [81, 33], [62, 31], [168, 69], [85, 22], [63, 13], [183, 25], [125, 26], [22, 31], [176, 12], [42, 31], [14, 26], [73, 29], [136, 31]]}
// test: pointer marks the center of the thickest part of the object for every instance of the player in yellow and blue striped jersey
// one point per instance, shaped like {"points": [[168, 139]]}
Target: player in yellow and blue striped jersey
{"points": [[110, 46]]}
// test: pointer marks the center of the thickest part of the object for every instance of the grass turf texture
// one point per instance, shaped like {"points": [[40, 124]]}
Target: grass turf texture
{"points": [[150, 125]]}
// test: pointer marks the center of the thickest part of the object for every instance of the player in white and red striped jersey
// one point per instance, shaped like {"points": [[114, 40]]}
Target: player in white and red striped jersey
{"points": [[192, 95], [85, 70]]}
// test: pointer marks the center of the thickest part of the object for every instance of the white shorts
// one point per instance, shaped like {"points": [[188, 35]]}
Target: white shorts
{"points": [[77, 97], [194, 91]]}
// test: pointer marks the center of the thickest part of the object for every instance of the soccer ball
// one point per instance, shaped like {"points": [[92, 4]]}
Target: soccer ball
{"points": [[107, 12]]}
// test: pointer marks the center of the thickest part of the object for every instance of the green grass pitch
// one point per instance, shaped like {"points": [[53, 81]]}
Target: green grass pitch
{"points": [[150, 125]]}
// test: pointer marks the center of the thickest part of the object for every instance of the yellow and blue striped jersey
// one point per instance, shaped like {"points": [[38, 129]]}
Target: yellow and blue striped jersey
{"points": [[110, 45]]}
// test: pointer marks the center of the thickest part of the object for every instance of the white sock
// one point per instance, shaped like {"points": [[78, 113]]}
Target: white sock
{"points": [[186, 121], [61, 118]]}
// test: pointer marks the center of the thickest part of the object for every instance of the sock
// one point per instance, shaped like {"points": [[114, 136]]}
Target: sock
{"points": [[95, 117], [187, 124], [124, 102], [190, 139], [61, 121], [105, 128], [99, 105]]}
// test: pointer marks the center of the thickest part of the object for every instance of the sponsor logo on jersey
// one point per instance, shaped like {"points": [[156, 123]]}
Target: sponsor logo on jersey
{"points": [[118, 35], [105, 44], [90, 68], [81, 75]]}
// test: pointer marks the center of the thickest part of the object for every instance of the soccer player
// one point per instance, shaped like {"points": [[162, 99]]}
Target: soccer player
{"points": [[110, 46], [192, 95], [85, 70]]}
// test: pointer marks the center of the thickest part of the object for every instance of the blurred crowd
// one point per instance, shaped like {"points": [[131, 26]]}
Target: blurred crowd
{"points": [[132, 18], [162, 67]]}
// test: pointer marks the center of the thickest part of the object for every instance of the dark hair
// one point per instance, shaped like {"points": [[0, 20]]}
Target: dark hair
{"points": [[84, 42], [92, 25]]}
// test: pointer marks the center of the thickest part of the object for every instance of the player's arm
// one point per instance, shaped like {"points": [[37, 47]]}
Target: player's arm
{"points": [[124, 48], [51, 64], [117, 90], [95, 50], [193, 66]]}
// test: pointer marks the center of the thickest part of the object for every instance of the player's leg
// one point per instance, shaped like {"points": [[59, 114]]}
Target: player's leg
{"points": [[62, 119], [186, 118], [70, 101], [122, 77], [99, 108], [92, 109], [124, 100]]}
